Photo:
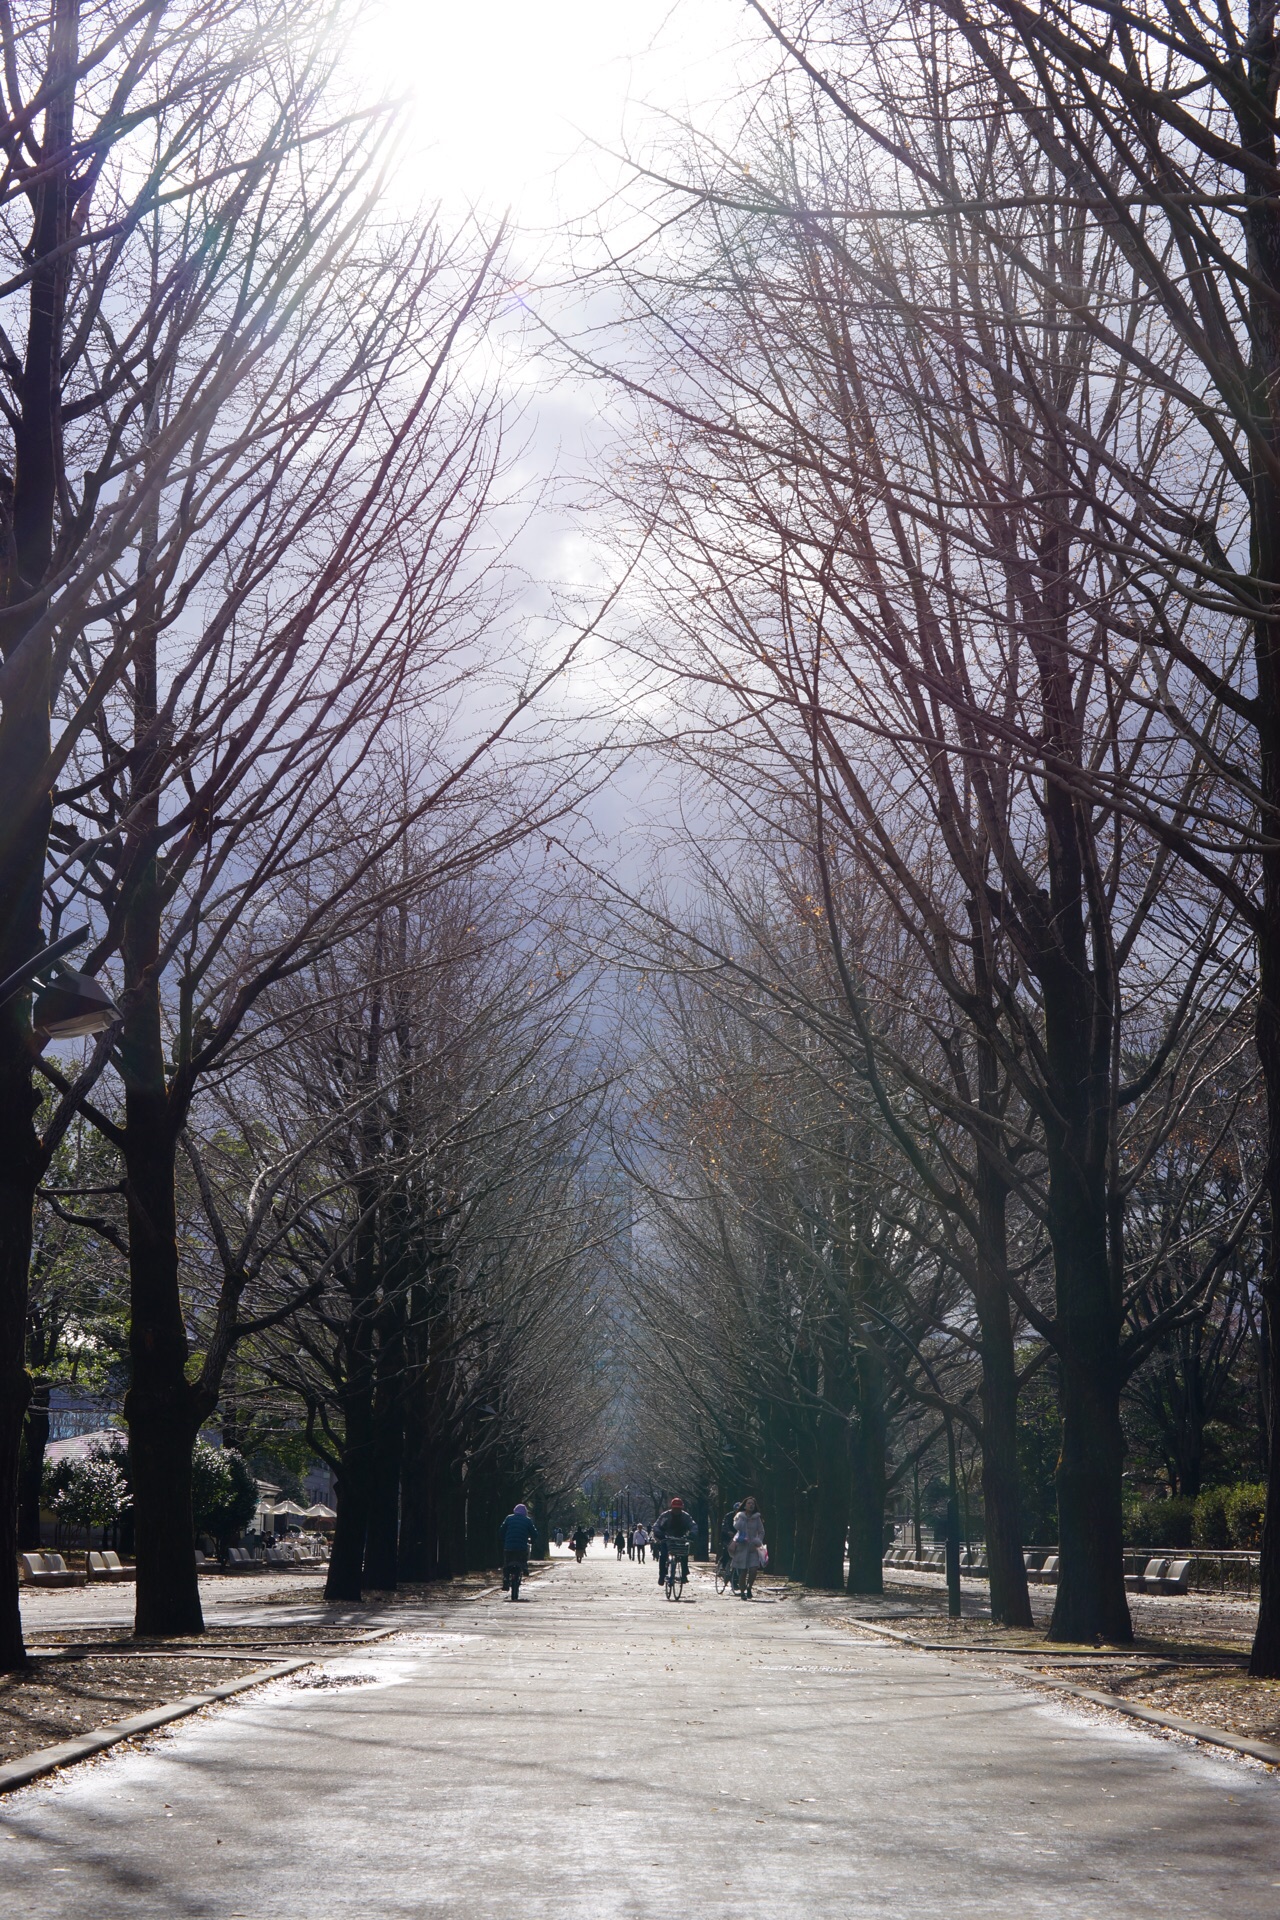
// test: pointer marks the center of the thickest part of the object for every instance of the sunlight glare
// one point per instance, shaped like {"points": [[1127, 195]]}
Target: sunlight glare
{"points": [[511, 100]]}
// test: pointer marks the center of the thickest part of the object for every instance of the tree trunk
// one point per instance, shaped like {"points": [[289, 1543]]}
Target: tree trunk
{"points": [[1006, 1567], [868, 1480], [14, 1388], [35, 1438], [162, 1409], [1091, 1598], [1264, 1660], [418, 1559], [381, 1559], [832, 1493], [26, 550], [161, 1436], [350, 1531]]}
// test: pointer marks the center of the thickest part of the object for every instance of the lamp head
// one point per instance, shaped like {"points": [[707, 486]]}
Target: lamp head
{"points": [[72, 1004]]}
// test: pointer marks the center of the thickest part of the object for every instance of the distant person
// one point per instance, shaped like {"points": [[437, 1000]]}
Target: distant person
{"points": [[620, 1542], [639, 1541], [559, 1536], [580, 1540], [749, 1549]]}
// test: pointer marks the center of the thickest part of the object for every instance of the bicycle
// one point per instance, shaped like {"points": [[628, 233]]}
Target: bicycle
{"points": [[724, 1572], [677, 1574], [513, 1573]]}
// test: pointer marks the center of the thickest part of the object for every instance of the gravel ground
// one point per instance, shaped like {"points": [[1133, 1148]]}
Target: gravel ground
{"points": [[57, 1699], [1189, 1660], [251, 1623]]}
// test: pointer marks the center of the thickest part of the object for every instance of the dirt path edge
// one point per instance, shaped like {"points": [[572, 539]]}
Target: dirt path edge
{"points": [[1171, 1723], [33, 1766]]}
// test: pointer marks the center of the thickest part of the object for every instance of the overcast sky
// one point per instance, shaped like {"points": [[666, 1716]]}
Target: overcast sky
{"points": [[521, 107]]}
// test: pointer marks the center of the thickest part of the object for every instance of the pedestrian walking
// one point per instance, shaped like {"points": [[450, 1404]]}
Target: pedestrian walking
{"points": [[640, 1540], [749, 1550]]}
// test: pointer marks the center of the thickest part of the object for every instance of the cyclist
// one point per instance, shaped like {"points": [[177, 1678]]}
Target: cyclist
{"points": [[518, 1535], [673, 1532]]}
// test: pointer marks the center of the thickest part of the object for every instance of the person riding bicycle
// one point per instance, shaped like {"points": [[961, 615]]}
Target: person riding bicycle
{"points": [[518, 1535], [673, 1533]]}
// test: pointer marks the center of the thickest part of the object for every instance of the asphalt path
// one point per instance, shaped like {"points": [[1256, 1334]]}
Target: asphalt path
{"points": [[599, 1752]]}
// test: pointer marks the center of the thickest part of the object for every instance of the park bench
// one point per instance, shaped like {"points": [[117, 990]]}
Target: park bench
{"points": [[238, 1561], [48, 1570], [1161, 1576], [109, 1566]]}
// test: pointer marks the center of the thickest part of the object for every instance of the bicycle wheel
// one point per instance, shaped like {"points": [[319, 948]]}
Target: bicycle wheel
{"points": [[722, 1576], [515, 1583], [677, 1578]]}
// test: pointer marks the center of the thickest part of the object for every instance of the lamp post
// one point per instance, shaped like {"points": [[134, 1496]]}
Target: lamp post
{"points": [[68, 1004]]}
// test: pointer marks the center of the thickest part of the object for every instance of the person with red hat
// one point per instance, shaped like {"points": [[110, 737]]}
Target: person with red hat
{"points": [[673, 1531]]}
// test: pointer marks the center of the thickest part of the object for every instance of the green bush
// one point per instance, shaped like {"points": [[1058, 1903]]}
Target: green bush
{"points": [[85, 1490], [1246, 1509], [224, 1494], [1210, 1527], [1159, 1523]]}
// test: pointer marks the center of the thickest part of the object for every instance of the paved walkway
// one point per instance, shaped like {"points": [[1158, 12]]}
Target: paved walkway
{"points": [[596, 1752]]}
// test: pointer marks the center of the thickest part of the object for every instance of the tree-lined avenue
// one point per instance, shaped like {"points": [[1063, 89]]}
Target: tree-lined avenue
{"points": [[599, 1752]]}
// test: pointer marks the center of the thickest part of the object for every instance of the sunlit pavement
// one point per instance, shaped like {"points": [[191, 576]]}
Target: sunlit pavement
{"points": [[597, 1751]]}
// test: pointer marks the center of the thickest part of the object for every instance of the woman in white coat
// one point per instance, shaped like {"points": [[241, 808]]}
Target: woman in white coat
{"points": [[748, 1554]]}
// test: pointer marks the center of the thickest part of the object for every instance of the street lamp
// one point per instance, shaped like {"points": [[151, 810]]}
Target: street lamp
{"points": [[68, 1004]]}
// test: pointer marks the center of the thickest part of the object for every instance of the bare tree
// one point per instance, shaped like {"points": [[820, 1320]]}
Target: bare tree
{"points": [[1159, 129], [879, 575], [419, 1208]]}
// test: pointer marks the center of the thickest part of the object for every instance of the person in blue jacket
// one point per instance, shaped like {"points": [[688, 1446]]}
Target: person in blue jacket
{"points": [[518, 1535]]}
